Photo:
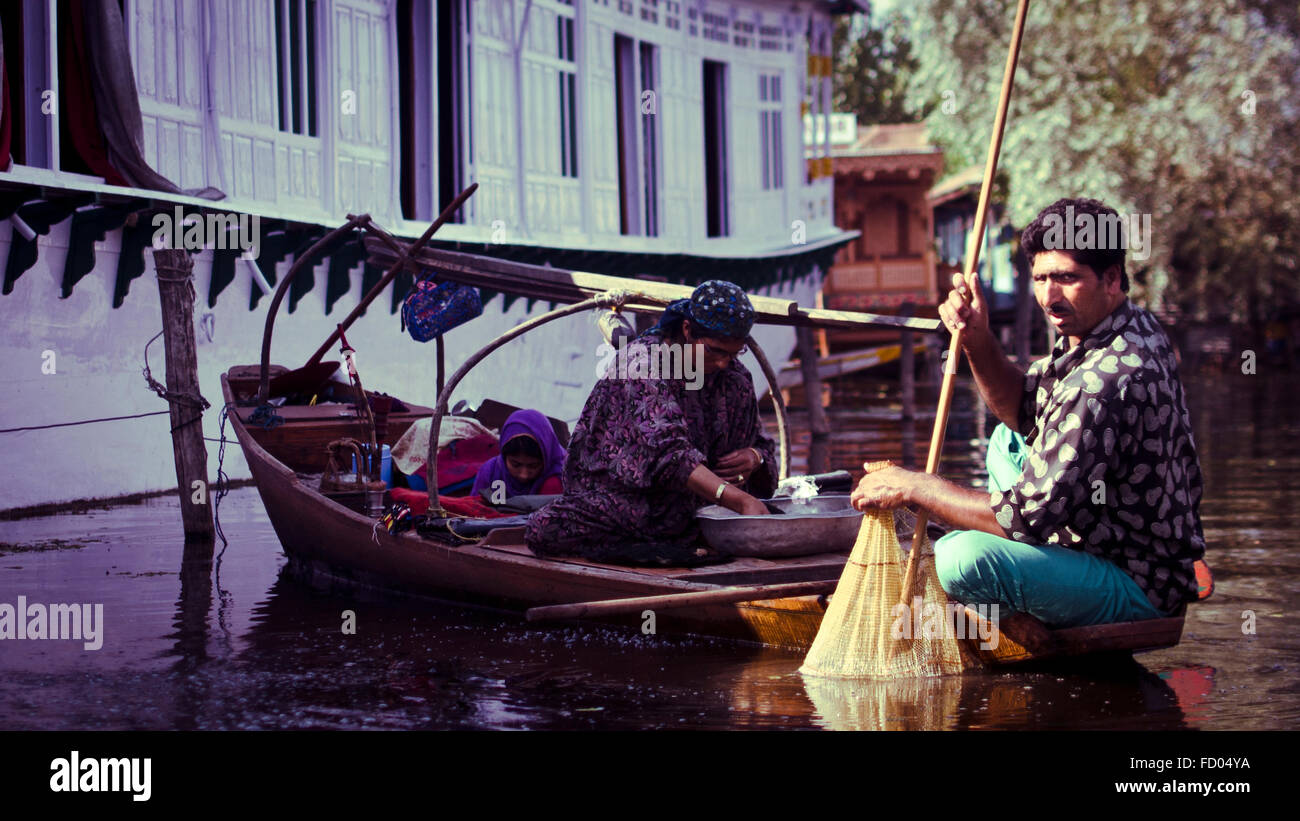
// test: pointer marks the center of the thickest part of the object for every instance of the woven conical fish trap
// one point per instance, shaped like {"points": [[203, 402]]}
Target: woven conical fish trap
{"points": [[866, 634]]}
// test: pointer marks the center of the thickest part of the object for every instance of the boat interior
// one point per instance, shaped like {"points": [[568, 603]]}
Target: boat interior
{"points": [[301, 440]]}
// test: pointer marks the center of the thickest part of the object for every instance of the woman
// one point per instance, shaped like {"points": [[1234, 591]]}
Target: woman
{"points": [[652, 446], [531, 459]]}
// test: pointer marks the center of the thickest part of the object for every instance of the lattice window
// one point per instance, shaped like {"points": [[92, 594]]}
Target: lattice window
{"points": [[743, 34], [568, 97], [673, 14], [295, 43], [769, 123], [637, 132], [717, 28], [771, 38]]}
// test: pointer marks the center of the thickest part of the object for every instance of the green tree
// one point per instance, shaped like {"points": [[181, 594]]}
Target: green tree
{"points": [[874, 61], [1184, 111]]}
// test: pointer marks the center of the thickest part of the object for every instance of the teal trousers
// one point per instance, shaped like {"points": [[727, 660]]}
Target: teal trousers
{"points": [[1059, 586]]}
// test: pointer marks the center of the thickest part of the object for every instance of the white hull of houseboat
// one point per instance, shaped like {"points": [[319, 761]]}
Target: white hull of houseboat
{"points": [[96, 354]]}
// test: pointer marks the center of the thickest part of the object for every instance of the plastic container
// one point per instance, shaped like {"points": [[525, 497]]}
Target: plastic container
{"points": [[385, 465]]}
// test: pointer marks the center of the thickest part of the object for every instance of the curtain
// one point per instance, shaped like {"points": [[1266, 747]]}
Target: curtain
{"points": [[104, 119]]}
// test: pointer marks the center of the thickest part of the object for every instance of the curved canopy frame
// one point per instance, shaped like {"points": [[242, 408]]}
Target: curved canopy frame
{"points": [[609, 299]]}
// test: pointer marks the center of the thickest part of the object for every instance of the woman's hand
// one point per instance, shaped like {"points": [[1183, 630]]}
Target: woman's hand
{"points": [[738, 465], [749, 506], [710, 487]]}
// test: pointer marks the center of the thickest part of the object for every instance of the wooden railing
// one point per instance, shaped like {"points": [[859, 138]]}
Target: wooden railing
{"points": [[883, 275]]}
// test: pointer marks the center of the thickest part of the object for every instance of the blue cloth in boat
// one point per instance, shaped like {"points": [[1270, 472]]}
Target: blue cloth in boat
{"points": [[1060, 586]]}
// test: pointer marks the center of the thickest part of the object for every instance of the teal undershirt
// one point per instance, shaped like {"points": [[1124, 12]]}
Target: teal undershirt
{"points": [[1060, 586]]}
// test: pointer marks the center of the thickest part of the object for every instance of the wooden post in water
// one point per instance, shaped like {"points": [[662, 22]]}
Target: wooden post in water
{"points": [[907, 365], [907, 375], [176, 294], [1024, 308], [820, 429]]}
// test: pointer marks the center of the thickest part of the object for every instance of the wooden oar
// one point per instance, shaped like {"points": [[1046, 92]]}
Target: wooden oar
{"points": [[972, 263], [408, 256], [667, 601]]}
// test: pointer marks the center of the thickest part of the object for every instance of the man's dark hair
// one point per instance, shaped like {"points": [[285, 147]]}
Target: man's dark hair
{"points": [[1040, 236]]}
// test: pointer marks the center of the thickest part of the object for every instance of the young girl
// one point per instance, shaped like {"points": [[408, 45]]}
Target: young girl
{"points": [[531, 458]]}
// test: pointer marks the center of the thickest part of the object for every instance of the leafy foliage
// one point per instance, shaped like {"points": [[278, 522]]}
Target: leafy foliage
{"points": [[873, 62], [1184, 111]]}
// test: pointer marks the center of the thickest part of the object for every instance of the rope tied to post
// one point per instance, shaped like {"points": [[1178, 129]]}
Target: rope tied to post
{"points": [[193, 400]]}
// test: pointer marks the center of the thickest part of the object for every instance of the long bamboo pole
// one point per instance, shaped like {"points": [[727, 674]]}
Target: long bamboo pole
{"points": [[665, 601], [972, 263]]}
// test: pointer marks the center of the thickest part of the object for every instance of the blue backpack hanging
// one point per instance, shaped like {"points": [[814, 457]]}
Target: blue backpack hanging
{"points": [[432, 308]]}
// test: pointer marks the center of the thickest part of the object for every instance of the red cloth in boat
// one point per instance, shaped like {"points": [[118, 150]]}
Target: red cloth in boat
{"points": [[472, 506], [459, 461]]}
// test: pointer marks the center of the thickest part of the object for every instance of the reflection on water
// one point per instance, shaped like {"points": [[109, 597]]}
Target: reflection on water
{"points": [[899, 704], [251, 647]]}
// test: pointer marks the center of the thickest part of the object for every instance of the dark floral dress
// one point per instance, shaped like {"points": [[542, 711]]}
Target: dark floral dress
{"points": [[625, 497]]}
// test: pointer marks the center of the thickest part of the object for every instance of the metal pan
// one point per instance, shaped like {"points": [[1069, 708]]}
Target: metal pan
{"points": [[825, 524]]}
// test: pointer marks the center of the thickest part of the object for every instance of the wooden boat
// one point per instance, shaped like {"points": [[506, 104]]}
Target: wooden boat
{"points": [[776, 602]]}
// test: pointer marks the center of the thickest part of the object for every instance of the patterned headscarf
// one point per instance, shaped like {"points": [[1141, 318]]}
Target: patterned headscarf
{"points": [[717, 307]]}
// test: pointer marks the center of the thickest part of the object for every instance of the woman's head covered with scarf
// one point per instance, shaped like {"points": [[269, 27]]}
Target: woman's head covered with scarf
{"points": [[535, 426], [717, 309]]}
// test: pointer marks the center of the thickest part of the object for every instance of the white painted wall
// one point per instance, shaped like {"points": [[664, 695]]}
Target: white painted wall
{"points": [[208, 94], [221, 130], [99, 356]]}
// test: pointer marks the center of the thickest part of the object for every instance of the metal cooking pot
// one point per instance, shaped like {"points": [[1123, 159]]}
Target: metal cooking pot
{"points": [[824, 524]]}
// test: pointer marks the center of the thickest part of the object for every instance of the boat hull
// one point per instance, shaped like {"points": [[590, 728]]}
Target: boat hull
{"points": [[329, 542]]}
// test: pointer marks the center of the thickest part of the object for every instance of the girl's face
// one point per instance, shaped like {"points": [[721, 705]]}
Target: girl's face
{"points": [[524, 468]]}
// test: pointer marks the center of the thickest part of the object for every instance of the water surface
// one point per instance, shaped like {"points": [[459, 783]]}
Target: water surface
{"points": [[247, 646]]}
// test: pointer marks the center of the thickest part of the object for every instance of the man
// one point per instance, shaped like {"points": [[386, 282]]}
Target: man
{"points": [[652, 447], [1093, 516]]}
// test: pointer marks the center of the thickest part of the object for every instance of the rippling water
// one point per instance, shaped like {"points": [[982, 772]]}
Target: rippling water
{"points": [[248, 646]]}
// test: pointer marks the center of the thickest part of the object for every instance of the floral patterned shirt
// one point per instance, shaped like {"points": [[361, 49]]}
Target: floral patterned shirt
{"points": [[1111, 467]]}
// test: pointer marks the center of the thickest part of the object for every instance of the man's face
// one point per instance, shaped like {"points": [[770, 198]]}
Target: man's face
{"points": [[1072, 295]]}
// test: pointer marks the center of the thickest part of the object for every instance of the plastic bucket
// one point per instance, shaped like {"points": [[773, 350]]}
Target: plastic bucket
{"points": [[385, 465]]}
